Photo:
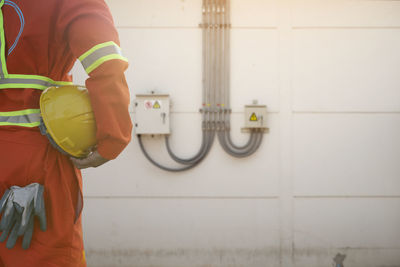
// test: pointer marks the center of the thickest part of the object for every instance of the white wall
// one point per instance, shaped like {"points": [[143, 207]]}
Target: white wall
{"points": [[327, 177]]}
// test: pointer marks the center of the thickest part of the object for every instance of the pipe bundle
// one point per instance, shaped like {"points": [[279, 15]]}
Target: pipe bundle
{"points": [[216, 110]]}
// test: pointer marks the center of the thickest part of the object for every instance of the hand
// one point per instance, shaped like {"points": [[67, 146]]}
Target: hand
{"points": [[93, 160]]}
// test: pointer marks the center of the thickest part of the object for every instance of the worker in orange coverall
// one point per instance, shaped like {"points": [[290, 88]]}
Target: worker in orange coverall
{"points": [[40, 42]]}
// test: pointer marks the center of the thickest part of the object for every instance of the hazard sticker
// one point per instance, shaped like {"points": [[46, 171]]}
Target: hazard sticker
{"points": [[253, 117], [152, 104], [157, 104], [148, 104]]}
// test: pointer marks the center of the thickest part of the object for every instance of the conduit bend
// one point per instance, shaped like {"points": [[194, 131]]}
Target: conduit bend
{"points": [[224, 136], [207, 141], [251, 147], [191, 163], [155, 163]]}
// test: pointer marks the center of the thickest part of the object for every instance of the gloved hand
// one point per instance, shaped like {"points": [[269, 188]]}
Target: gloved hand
{"points": [[20, 206], [93, 160]]}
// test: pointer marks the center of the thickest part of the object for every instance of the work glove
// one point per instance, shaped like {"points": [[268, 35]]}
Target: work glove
{"points": [[93, 160], [19, 206]]}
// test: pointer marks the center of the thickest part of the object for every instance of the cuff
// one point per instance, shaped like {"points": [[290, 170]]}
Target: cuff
{"points": [[110, 149]]}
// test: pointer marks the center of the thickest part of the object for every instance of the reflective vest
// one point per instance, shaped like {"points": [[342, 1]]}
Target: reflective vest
{"points": [[90, 60]]}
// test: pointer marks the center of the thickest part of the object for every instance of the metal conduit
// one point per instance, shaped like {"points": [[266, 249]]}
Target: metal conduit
{"points": [[250, 148], [226, 142], [226, 55], [204, 149], [209, 33], [155, 163], [218, 65], [223, 102], [213, 62], [204, 64]]}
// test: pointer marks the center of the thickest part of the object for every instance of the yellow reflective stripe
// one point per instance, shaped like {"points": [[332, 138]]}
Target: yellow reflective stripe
{"points": [[22, 85], [99, 54], [23, 118], [104, 59], [37, 77], [96, 47], [19, 112], [3, 44], [33, 124], [29, 81]]}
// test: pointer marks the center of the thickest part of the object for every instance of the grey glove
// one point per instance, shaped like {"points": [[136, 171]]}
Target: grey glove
{"points": [[20, 206]]}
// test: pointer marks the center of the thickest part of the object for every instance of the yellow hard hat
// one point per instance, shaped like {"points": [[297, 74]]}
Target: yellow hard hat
{"points": [[68, 119]]}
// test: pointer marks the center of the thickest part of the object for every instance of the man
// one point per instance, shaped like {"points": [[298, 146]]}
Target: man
{"points": [[40, 41]]}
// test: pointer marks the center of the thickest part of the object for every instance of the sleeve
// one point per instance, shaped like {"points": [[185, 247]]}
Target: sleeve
{"points": [[88, 28]]}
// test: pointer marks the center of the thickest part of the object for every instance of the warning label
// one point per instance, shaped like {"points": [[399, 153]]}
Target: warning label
{"points": [[156, 105], [148, 104], [152, 104], [253, 117]]}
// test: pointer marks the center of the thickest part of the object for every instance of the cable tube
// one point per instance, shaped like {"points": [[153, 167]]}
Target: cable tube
{"points": [[204, 60], [245, 146], [254, 144], [217, 107], [213, 63], [208, 57], [207, 136], [249, 145], [255, 138], [204, 149], [155, 163], [209, 63], [227, 66], [228, 54], [221, 75]]}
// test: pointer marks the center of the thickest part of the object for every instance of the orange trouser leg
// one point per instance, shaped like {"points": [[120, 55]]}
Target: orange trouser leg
{"points": [[34, 160]]}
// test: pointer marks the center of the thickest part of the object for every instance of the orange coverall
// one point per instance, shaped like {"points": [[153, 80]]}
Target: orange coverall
{"points": [[42, 40]]}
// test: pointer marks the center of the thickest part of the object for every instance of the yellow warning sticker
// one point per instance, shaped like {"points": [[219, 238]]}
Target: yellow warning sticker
{"points": [[156, 105], [253, 117]]}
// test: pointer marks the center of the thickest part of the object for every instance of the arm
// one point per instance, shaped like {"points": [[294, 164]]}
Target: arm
{"points": [[93, 39]]}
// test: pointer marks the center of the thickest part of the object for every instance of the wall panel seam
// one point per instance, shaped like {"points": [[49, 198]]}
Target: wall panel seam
{"points": [[187, 197]]}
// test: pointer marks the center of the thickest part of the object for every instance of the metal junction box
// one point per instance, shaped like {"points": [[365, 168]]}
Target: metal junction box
{"points": [[152, 114], [255, 117]]}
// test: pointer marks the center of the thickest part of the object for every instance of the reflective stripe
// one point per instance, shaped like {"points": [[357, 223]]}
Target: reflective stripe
{"points": [[99, 54], [25, 118], [3, 67], [29, 81]]}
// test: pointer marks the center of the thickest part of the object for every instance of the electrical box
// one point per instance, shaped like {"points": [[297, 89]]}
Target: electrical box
{"points": [[255, 117], [152, 114]]}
